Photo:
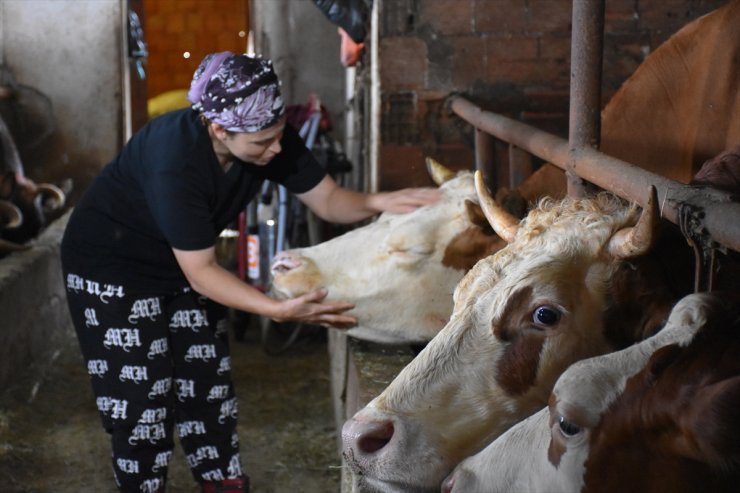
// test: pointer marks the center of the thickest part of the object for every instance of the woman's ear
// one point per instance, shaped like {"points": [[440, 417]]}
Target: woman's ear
{"points": [[219, 131]]}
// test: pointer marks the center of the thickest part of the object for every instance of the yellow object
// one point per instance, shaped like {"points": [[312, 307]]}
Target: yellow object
{"points": [[166, 102]]}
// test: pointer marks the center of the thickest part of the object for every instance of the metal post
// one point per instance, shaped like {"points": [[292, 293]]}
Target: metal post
{"points": [[587, 46], [485, 159], [520, 166]]}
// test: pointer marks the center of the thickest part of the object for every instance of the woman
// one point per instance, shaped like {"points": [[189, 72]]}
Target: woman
{"points": [[145, 292]]}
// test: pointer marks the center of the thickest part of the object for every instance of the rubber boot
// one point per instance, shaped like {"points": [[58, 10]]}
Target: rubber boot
{"points": [[237, 485]]}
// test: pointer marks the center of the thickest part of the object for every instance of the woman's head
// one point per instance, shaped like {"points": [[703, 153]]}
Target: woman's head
{"points": [[241, 93]]}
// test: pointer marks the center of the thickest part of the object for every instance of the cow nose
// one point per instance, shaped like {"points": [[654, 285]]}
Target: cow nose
{"points": [[366, 438], [285, 262]]}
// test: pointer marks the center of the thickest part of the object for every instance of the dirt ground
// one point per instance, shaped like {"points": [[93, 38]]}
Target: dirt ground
{"points": [[51, 439]]}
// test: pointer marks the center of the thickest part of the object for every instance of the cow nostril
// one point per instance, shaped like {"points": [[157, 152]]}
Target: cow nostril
{"points": [[375, 439], [371, 445], [284, 262]]}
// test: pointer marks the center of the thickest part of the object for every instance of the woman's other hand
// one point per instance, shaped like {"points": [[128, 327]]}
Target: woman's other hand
{"points": [[310, 308]]}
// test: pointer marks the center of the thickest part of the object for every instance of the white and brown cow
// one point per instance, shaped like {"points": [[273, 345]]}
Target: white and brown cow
{"points": [[401, 270], [575, 281], [662, 415]]}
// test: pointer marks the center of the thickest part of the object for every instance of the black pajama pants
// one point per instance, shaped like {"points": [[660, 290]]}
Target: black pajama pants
{"points": [[158, 363]]}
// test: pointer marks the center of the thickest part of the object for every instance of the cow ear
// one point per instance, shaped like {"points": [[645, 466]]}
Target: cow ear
{"points": [[714, 415], [660, 360], [476, 216], [512, 201]]}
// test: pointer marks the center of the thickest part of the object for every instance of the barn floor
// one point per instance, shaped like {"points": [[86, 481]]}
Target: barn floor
{"points": [[51, 439]]}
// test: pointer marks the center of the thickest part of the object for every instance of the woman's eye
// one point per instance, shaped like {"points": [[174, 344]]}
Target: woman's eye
{"points": [[546, 315], [569, 429]]}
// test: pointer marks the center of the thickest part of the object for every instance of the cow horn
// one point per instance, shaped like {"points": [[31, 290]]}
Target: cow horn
{"points": [[439, 172], [52, 197], [636, 241], [504, 224], [11, 214]]}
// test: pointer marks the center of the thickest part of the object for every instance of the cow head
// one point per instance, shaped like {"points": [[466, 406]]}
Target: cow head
{"points": [[399, 271], [24, 205], [661, 415], [568, 282]]}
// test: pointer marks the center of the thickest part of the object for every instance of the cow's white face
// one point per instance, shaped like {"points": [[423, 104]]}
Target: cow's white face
{"points": [[401, 270], [549, 451], [521, 317]]}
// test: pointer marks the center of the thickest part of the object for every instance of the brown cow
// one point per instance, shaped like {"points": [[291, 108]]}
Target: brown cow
{"points": [[682, 105]]}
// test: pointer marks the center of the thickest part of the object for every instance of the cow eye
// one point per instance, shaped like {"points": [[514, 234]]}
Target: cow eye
{"points": [[415, 250], [546, 315], [569, 429]]}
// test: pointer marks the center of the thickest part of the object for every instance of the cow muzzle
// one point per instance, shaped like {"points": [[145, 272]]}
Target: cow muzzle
{"points": [[293, 274], [285, 262], [377, 448]]}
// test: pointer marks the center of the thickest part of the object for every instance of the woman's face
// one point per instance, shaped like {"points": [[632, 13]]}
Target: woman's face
{"points": [[256, 147]]}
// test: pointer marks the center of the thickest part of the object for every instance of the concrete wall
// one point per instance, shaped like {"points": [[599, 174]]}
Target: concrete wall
{"points": [[70, 50], [304, 47], [34, 320]]}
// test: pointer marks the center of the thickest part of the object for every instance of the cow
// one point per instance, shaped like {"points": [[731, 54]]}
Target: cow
{"points": [[24, 204], [578, 278], [400, 270], [662, 415], [681, 105]]}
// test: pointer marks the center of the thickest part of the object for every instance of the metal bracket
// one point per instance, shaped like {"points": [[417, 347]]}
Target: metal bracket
{"points": [[691, 224]]}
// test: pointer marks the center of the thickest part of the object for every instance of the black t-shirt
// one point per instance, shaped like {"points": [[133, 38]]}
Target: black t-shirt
{"points": [[166, 189]]}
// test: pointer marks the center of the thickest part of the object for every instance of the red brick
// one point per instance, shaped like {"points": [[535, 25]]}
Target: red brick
{"points": [[619, 17], [194, 21], [214, 23], [175, 24], [554, 47], [457, 157], [500, 16], [549, 72], [553, 16], [402, 166], [447, 16], [403, 63], [512, 48], [468, 61], [669, 16], [154, 25]]}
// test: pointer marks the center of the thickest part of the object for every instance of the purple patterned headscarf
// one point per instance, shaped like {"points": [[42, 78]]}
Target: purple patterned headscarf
{"points": [[239, 92]]}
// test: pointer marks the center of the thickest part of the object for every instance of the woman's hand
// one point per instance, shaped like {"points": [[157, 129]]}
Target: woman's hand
{"points": [[407, 199], [311, 309]]}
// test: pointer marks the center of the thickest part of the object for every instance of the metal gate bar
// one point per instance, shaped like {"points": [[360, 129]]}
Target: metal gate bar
{"points": [[719, 215], [584, 119]]}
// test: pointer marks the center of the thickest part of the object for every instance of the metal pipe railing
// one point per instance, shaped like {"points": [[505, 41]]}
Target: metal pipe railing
{"points": [[719, 217]]}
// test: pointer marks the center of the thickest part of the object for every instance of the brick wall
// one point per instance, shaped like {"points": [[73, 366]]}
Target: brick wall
{"points": [[509, 56], [199, 27]]}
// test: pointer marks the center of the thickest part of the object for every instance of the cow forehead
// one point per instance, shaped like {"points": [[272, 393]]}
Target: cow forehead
{"points": [[555, 239]]}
